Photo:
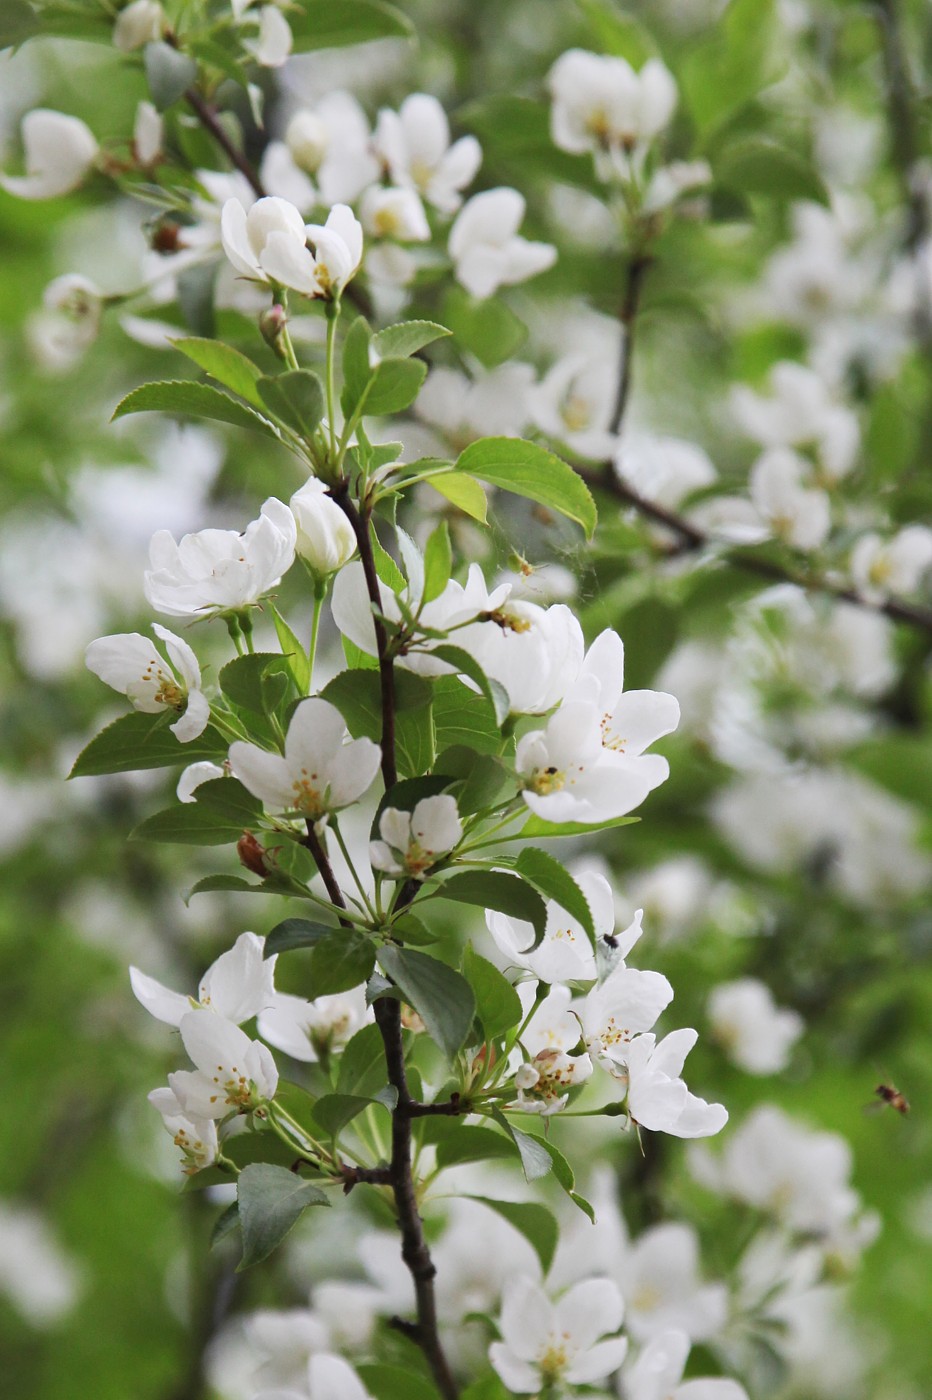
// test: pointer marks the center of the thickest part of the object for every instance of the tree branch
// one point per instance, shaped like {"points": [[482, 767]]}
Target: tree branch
{"points": [[208, 119], [638, 266], [691, 538], [360, 524], [901, 110]]}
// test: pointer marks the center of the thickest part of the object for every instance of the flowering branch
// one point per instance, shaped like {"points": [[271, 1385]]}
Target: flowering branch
{"points": [[208, 119]]}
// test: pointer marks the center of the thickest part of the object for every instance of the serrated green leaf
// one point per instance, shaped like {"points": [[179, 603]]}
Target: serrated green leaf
{"points": [[190, 824], [296, 933], [189, 399], [226, 1224], [464, 492], [463, 718], [535, 1222], [537, 827], [467, 665], [488, 328], [228, 366], [362, 1064], [357, 370], [498, 1005], [295, 398], [442, 997], [535, 1159], [532, 472], [554, 881], [319, 24], [332, 1112], [497, 889], [438, 562], [469, 1142], [257, 682], [138, 741], [298, 663], [394, 386], [406, 338], [271, 1200], [344, 959], [213, 883]]}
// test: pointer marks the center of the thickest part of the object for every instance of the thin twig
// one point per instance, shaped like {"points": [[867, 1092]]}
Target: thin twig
{"points": [[690, 537], [638, 266], [360, 524], [209, 120]]}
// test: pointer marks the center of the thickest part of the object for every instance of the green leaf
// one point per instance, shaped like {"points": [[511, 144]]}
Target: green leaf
{"points": [[537, 827], [332, 1112], [257, 682], [319, 24], [138, 741], [467, 665], [187, 398], [296, 398], [463, 718], [442, 998], [497, 889], [342, 960], [294, 653], [743, 54], [192, 824], [535, 1159], [535, 1222], [296, 933], [271, 1200], [406, 338], [468, 1142], [362, 1065], [533, 472], [226, 797], [226, 1224], [488, 328], [395, 385], [486, 777], [464, 492], [169, 73], [438, 562], [498, 1005], [618, 34], [224, 364], [17, 24], [211, 883], [357, 695], [763, 167], [357, 371], [554, 881], [395, 1383]]}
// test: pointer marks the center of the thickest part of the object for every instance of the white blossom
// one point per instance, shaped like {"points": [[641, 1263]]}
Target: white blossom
{"points": [[660, 1278], [880, 567], [413, 842], [37, 1277], [310, 1030], [662, 469], [130, 664], [630, 720], [486, 248], [565, 953], [68, 324], [573, 404], [141, 22], [217, 571], [533, 652], [325, 537], [195, 1137], [268, 243], [58, 150], [272, 45], [192, 777], [795, 513], [601, 105], [306, 137], [549, 1344], [490, 402], [627, 1003], [800, 412], [415, 144], [232, 1074], [756, 1034], [394, 213], [148, 134], [237, 986], [668, 184], [318, 774], [544, 1081], [657, 1374], [657, 1098]]}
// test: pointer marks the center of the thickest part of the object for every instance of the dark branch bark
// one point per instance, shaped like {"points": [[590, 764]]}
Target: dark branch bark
{"points": [[208, 119], [627, 316], [360, 524], [690, 537]]}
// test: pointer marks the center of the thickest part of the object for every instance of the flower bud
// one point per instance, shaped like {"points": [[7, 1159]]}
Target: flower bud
{"points": [[139, 24], [526, 1077], [59, 151], [325, 537], [306, 137], [271, 324], [148, 133]]}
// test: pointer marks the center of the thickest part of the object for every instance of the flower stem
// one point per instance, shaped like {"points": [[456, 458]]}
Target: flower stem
{"points": [[333, 315]]}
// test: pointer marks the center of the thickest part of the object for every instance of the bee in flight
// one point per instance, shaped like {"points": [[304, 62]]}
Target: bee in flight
{"points": [[891, 1095]]}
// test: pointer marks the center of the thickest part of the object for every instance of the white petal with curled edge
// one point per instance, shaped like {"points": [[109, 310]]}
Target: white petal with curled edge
{"points": [[195, 718], [266, 775], [160, 1002], [590, 1310]]}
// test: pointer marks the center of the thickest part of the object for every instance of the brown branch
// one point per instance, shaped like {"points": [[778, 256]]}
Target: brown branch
{"points": [[901, 110], [638, 267], [209, 120], [360, 524], [691, 538], [399, 1174]]}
